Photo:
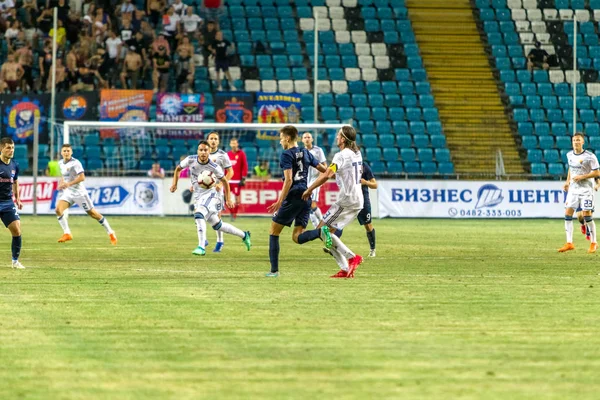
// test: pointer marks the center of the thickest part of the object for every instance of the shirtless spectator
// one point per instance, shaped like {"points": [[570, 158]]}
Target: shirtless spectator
{"points": [[185, 66], [61, 77], [10, 75], [24, 56], [162, 66], [131, 69], [161, 42], [155, 10]]}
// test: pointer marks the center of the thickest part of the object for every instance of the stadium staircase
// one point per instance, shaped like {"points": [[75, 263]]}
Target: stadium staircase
{"points": [[463, 84]]}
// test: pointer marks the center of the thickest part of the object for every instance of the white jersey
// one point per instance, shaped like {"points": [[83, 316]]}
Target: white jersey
{"points": [[582, 164], [319, 155], [220, 158], [196, 168], [348, 171], [70, 171]]}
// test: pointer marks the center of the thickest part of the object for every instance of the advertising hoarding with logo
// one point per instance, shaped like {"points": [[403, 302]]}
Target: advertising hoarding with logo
{"points": [[468, 199], [125, 196]]}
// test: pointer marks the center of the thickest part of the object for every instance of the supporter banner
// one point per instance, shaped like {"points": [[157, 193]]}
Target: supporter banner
{"points": [[468, 199], [80, 106], [121, 196], [125, 105], [178, 107], [234, 107], [18, 113], [255, 197], [277, 108]]}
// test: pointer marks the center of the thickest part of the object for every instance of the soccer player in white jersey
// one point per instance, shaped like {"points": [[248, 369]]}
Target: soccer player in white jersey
{"points": [[347, 168], [315, 213], [220, 158], [583, 168], [74, 192], [206, 202]]}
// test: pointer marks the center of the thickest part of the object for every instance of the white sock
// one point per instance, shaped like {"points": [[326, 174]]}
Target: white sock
{"points": [[319, 214], [568, 229], [219, 236], [592, 227], [345, 251], [340, 259], [106, 226], [314, 219], [64, 224], [232, 230], [201, 228]]}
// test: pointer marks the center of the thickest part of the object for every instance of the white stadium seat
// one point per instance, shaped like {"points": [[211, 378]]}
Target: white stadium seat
{"points": [[339, 24], [519, 14], [302, 86], [333, 3], [339, 87], [236, 73], [324, 86], [572, 76], [597, 15], [529, 4], [286, 86], [352, 74], [527, 38], [359, 37], [369, 74], [534, 15], [582, 15], [252, 85], [557, 76], [593, 89], [336, 13], [523, 26], [269, 86], [382, 62], [321, 12], [566, 15], [538, 27], [550, 14], [378, 49], [307, 24], [365, 61], [342, 37], [363, 49], [324, 24], [349, 3], [514, 4], [543, 38]]}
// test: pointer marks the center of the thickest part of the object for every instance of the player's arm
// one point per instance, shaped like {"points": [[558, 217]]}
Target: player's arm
{"points": [[323, 177], [287, 185], [80, 178], [371, 184], [176, 173], [566, 185], [15, 188], [227, 191], [593, 174]]}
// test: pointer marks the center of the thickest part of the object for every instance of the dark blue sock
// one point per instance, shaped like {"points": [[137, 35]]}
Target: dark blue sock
{"points": [[16, 247], [339, 232], [371, 237], [274, 252], [308, 236]]}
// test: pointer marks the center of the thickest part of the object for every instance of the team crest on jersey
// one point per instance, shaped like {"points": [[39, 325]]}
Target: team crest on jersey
{"points": [[74, 107], [146, 195]]}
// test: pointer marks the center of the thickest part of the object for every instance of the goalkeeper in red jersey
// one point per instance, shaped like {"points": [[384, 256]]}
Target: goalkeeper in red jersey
{"points": [[239, 165]]}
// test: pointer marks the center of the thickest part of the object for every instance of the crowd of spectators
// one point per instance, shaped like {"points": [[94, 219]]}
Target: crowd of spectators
{"points": [[106, 44]]}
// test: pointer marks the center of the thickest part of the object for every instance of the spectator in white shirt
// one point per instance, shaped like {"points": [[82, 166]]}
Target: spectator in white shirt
{"points": [[113, 48], [191, 23], [178, 7]]}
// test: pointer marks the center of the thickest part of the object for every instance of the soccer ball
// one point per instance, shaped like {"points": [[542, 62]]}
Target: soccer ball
{"points": [[207, 180]]}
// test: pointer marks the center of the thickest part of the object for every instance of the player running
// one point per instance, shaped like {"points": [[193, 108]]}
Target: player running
{"points": [[9, 186], [313, 174], [347, 168], [583, 168], [367, 181], [206, 202], [584, 229], [290, 207], [74, 192], [220, 158]]}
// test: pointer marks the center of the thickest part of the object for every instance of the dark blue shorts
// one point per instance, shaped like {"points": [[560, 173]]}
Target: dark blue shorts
{"points": [[8, 212], [222, 65], [364, 216], [293, 210]]}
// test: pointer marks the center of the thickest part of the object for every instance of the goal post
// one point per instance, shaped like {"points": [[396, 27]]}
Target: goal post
{"points": [[109, 148]]}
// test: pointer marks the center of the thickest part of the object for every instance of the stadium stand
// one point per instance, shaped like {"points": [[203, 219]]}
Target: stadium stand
{"points": [[541, 101]]}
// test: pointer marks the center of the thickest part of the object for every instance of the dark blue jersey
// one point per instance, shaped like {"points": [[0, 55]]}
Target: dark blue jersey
{"points": [[367, 175], [299, 161], [9, 173]]}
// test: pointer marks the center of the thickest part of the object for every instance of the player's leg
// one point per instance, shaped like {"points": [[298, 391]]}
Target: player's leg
{"points": [[11, 219], [338, 221], [85, 202], [217, 224], [581, 221], [274, 233], [200, 221], [63, 220], [220, 241], [364, 218], [315, 212], [587, 207], [571, 205]]}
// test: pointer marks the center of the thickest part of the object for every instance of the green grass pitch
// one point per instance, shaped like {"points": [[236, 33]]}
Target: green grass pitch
{"points": [[448, 310]]}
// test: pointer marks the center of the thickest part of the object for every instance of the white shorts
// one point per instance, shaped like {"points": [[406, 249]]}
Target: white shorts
{"points": [[315, 195], [82, 200], [338, 217], [208, 204], [221, 197], [583, 201]]}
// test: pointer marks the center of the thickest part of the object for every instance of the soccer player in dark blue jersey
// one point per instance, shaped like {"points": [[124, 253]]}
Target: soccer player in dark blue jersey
{"points": [[368, 181], [9, 175], [290, 207]]}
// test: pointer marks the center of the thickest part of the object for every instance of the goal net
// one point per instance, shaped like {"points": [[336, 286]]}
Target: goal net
{"points": [[131, 148]]}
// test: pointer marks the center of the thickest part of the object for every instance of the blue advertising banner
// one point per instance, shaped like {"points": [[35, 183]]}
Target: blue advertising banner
{"points": [[179, 107], [277, 108]]}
